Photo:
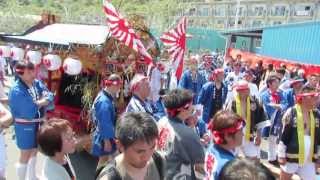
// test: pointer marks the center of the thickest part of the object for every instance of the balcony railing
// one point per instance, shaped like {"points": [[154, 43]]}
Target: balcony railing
{"points": [[303, 13], [257, 13]]}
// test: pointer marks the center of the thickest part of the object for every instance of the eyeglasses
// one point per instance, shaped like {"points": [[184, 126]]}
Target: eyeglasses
{"points": [[70, 137]]}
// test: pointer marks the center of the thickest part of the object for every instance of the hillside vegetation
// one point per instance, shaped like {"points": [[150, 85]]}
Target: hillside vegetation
{"points": [[17, 15]]}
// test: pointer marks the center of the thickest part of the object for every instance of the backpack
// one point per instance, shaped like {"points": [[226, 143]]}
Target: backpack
{"points": [[111, 171]]}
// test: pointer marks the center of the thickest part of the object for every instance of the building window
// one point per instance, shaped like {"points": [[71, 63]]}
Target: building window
{"points": [[257, 11], [192, 11], [257, 43], [220, 24], [303, 10], [190, 22], [241, 11], [256, 23], [219, 11], [204, 25], [231, 23], [204, 11], [277, 22], [280, 10]]}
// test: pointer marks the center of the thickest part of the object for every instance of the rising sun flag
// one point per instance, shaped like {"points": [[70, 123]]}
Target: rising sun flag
{"points": [[175, 40], [120, 29]]}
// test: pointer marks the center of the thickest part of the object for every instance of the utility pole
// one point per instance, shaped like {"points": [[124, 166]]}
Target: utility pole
{"points": [[237, 14]]}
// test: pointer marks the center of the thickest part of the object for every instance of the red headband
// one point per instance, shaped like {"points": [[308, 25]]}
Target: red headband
{"points": [[112, 82], [216, 72], [241, 87], [302, 95], [219, 134], [172, 112], [19, 70]]}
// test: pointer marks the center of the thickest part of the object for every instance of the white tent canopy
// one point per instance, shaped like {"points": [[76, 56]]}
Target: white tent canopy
{"points": [[66, 34]]}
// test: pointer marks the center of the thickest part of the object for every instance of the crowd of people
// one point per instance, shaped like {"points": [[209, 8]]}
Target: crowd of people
{"points": [[210, 126]]}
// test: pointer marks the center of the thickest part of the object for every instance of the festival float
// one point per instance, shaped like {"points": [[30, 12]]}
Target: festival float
{"points": [[73, 59]]}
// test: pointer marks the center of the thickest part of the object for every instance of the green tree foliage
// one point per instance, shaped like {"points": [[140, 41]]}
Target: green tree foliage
{"points": [[14, 14]]}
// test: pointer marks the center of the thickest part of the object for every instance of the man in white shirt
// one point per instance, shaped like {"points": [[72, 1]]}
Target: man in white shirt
{"points": [[155, 83], [254, 92], [234, 76]]}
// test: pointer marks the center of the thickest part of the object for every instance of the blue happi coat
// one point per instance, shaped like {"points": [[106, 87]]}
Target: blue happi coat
{"points": [[104, 118], [159, 109], [274, 115], [216, 158], [22, 106], [290, 97], [186, 82], [22, 103], [206, 99], [138, 105]]}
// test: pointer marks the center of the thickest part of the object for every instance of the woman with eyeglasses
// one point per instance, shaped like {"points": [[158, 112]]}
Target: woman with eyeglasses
{"points": [[56, 140]]}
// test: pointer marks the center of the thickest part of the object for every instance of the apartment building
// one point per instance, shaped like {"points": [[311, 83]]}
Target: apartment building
{"points": [[229, 14]]}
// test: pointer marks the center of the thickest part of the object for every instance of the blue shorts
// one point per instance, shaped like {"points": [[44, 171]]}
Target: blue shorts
{"points": [[26, 135]]}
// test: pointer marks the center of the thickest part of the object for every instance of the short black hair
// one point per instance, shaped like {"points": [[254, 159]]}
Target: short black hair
{"points": [[162, 92], [272, 77], [245, 169], [177, 98], [136, 126], [22, 65], [307, 89], [270, 67], [281, 71]]}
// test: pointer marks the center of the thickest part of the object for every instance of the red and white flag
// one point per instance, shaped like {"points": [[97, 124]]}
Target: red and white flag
{"points": [[121, 30], [175, 40]]}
